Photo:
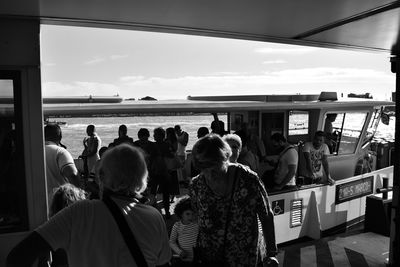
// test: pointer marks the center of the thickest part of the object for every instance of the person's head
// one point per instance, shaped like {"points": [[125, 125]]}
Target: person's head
{"points": [[319, 139], [123, 169], [102, 150], [211, 152], [143, 134], [90, 129], [202, 131], [278, 140], [52, 132], [183, 210], [235, 142], [331, 117], [159, 134], [178, 129], [218, 127], [122, 130], [65, 195]]}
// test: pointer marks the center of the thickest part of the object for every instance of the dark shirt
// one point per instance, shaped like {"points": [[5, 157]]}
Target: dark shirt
{"points": [[120, 140]]}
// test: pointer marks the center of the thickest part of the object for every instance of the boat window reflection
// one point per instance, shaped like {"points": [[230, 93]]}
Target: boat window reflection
{"points": [[13, 209], [343, 131], [298, 123]]}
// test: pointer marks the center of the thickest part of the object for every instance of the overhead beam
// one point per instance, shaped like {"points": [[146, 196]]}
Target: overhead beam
{"points": [[336, 24]]}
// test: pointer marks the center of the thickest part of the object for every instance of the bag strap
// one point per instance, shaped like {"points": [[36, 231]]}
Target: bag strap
{"points": [[284, 152], [126, 232]]}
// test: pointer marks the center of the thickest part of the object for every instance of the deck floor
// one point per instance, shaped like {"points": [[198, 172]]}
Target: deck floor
{"points": [[355, 250], [351, 249]]}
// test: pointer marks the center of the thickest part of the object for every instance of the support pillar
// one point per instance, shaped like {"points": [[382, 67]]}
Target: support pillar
{"points": [[394, 256]]}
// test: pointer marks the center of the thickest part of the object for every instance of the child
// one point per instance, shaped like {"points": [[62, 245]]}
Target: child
{"points": [[184, 232], [63, 196]]}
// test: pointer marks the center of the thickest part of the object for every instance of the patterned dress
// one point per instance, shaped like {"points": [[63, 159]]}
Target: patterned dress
{"points": [[250, 216]]}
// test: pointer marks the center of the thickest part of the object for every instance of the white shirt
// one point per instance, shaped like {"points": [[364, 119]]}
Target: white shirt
{"points": [[181, 151], [57, 158], [316, 157], [91, 237], [288, 157]]}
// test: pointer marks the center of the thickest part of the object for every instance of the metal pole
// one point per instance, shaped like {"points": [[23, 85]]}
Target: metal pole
{"points": [[394, 256]]}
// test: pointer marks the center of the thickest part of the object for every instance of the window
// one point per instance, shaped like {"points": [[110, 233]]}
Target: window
{"points": [[298, 122], [13, 207], [373, 125], [343, 131]]}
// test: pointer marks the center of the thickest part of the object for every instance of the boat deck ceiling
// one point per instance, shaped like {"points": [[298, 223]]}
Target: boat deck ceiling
{"points": [[357, 24], [185, 106]]}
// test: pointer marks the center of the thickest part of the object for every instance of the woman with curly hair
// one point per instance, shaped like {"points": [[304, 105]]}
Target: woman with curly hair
{"points": [[236, 223]]}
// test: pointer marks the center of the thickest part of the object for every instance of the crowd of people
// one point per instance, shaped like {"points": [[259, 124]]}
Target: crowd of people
{"points": [[225, 219]]}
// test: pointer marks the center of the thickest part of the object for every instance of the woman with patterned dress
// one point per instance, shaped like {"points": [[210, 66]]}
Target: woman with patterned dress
{"points": [[236, 224]]}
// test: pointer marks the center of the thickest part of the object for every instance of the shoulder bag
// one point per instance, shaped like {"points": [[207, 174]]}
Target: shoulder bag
{"points": [[125, 231]]}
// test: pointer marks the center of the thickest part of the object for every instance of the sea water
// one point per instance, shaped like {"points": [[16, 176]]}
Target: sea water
{"points": [[74, 130]]}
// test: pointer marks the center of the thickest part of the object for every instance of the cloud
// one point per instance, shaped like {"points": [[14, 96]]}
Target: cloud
{"points": [[49, 64], [79, 88], [331, 75], [286, 51], [116, 57], [309, 80], [131, 78], [229, 73], [277, 61], [94, 61]]}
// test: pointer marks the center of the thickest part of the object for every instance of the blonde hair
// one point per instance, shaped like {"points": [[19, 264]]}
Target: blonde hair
{"points": [[123, 169], [233, 138], [65, 195], [210, 151]]}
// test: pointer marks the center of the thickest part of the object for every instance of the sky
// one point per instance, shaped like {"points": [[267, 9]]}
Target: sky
{"points": [[80, 61]]}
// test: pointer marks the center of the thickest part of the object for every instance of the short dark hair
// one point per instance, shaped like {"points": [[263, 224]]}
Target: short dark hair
{"points": [[319, 133], [183, 205], [91, 127], [52, 132], [202, 131], [143, 132], [123, 129], [278, 137], [159, 133]]}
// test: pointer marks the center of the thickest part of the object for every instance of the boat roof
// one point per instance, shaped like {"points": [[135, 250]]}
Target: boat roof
{"points": [[359, 24], [199, 106]]}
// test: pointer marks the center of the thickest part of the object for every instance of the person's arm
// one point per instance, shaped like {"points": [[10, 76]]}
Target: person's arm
{"points": [[185, 139], [325, 164], [266, 217], [307, 157], [291, 172], [28, 250], [261, 147], [71, 173], [215, 115], [173, 240]]}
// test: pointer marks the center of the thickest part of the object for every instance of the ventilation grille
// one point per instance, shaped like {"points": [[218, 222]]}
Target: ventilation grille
{"points": [[296, 212]]}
